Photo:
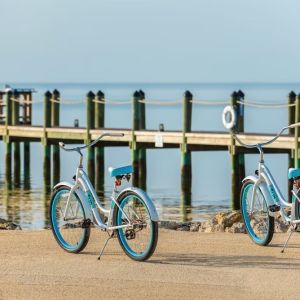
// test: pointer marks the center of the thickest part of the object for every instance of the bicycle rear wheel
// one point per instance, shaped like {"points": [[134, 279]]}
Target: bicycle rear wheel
{"points": [[259, 224], [71, 231], [139, 240]]}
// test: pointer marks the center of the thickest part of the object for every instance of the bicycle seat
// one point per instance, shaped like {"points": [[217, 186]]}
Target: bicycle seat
{"points": [[113, 172], [293, 173]]}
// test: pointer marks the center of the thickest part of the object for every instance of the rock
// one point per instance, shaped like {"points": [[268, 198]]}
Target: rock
{"points": [[206, 226], [237, 228], [6, 225], [281, 226], [183, 228], [219, 228], [169, 225], [212, 226], [195, 226], [228, 218]]}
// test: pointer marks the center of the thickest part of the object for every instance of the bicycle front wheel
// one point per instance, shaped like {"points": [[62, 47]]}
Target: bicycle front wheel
{"points": [[138, 240], [69, 228], [259, 224]]}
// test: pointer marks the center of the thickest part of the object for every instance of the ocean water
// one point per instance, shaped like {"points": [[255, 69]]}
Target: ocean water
{"points": [[211, 181]]}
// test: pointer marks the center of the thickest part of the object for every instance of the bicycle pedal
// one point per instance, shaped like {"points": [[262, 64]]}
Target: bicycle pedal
{"points": [[274, 208]]}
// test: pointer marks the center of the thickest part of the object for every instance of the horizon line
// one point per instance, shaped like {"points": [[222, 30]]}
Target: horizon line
{"points": [[150, 82]]}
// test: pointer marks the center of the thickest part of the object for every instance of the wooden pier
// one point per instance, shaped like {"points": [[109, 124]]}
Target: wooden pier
{"points": [[16, 127]]}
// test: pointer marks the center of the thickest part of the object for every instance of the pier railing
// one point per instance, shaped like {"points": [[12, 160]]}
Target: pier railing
{"points": [[15, 127]]}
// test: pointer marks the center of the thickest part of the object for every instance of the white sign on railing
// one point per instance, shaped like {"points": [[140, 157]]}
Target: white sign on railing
{"points": [[159, 142]]}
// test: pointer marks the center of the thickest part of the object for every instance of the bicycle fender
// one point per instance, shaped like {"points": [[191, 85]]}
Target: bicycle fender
{"points": [[149, 203], [251, 177], [264, 189], [81, 195]]}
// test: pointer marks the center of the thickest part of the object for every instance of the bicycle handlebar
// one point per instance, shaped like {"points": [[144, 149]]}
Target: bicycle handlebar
{"points": [[259, 145], [62, 145]]}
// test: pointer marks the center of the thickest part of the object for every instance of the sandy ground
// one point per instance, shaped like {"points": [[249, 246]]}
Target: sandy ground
{"points": [[186, 265]]}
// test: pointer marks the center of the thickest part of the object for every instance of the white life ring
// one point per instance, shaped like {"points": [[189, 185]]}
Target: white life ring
{"points": [[229, 117]]}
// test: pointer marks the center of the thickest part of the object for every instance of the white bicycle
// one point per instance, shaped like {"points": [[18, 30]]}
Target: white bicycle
{"points": [[132, 216], [261, 197]]}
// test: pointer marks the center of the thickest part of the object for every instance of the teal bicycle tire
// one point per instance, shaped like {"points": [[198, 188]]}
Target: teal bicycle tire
{"points": [[151, 227], [83, 232], [267, 221]]}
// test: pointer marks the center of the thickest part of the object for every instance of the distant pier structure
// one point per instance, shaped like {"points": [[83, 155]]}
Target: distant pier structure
{"points": [[16, 127], [16, 110]]}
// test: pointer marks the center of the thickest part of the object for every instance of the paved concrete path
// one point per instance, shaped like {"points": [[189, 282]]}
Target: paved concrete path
{"points": [[186, 265]]}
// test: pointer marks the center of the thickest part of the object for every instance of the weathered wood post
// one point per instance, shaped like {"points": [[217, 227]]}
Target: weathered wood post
{"points": [[296, 132], [27, 121], [186, 155], [55, 104], [291, 120], [135, 127], [46, 146], [29, 108], [240, 127], [237, 158], [1, 108], [90, 124], [16, 149], [142, 151], [99, 123], [8, 122]]}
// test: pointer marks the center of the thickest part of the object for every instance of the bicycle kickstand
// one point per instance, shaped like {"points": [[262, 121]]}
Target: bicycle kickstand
{"points": [[293, 229], [110, 236]]}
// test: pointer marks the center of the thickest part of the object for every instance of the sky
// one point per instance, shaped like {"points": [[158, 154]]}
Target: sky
{"points": [[149, 41]]}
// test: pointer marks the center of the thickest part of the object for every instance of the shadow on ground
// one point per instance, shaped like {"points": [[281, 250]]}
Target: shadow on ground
{"points": [[239, 261]]}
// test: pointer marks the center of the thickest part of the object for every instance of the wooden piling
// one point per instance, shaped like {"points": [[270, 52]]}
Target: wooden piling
{"points": [[237, 159], [99, 123], [26, 165], [8, 146], [291, 120], [46, 145], [16, 145], [186, 155], [55, 104], [1, 108], [240, 127], [27, 109], [296, 132], [90, 124], [135, 127], [142, 152], [8, 106]]}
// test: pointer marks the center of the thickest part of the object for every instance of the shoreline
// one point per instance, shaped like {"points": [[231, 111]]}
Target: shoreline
{"points": [[228, 221]]}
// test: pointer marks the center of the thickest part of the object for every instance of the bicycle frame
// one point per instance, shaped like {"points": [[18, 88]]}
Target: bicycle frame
{"points": [[269, 188], [266, 182], [89, 198], [91, 202]]}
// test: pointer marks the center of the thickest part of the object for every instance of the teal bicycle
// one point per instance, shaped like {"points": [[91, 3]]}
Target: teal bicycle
{"points": [[132, 216], [261, 197]]}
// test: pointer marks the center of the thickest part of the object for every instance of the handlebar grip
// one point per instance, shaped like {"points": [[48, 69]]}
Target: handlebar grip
{"points": [[294, 125]]}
